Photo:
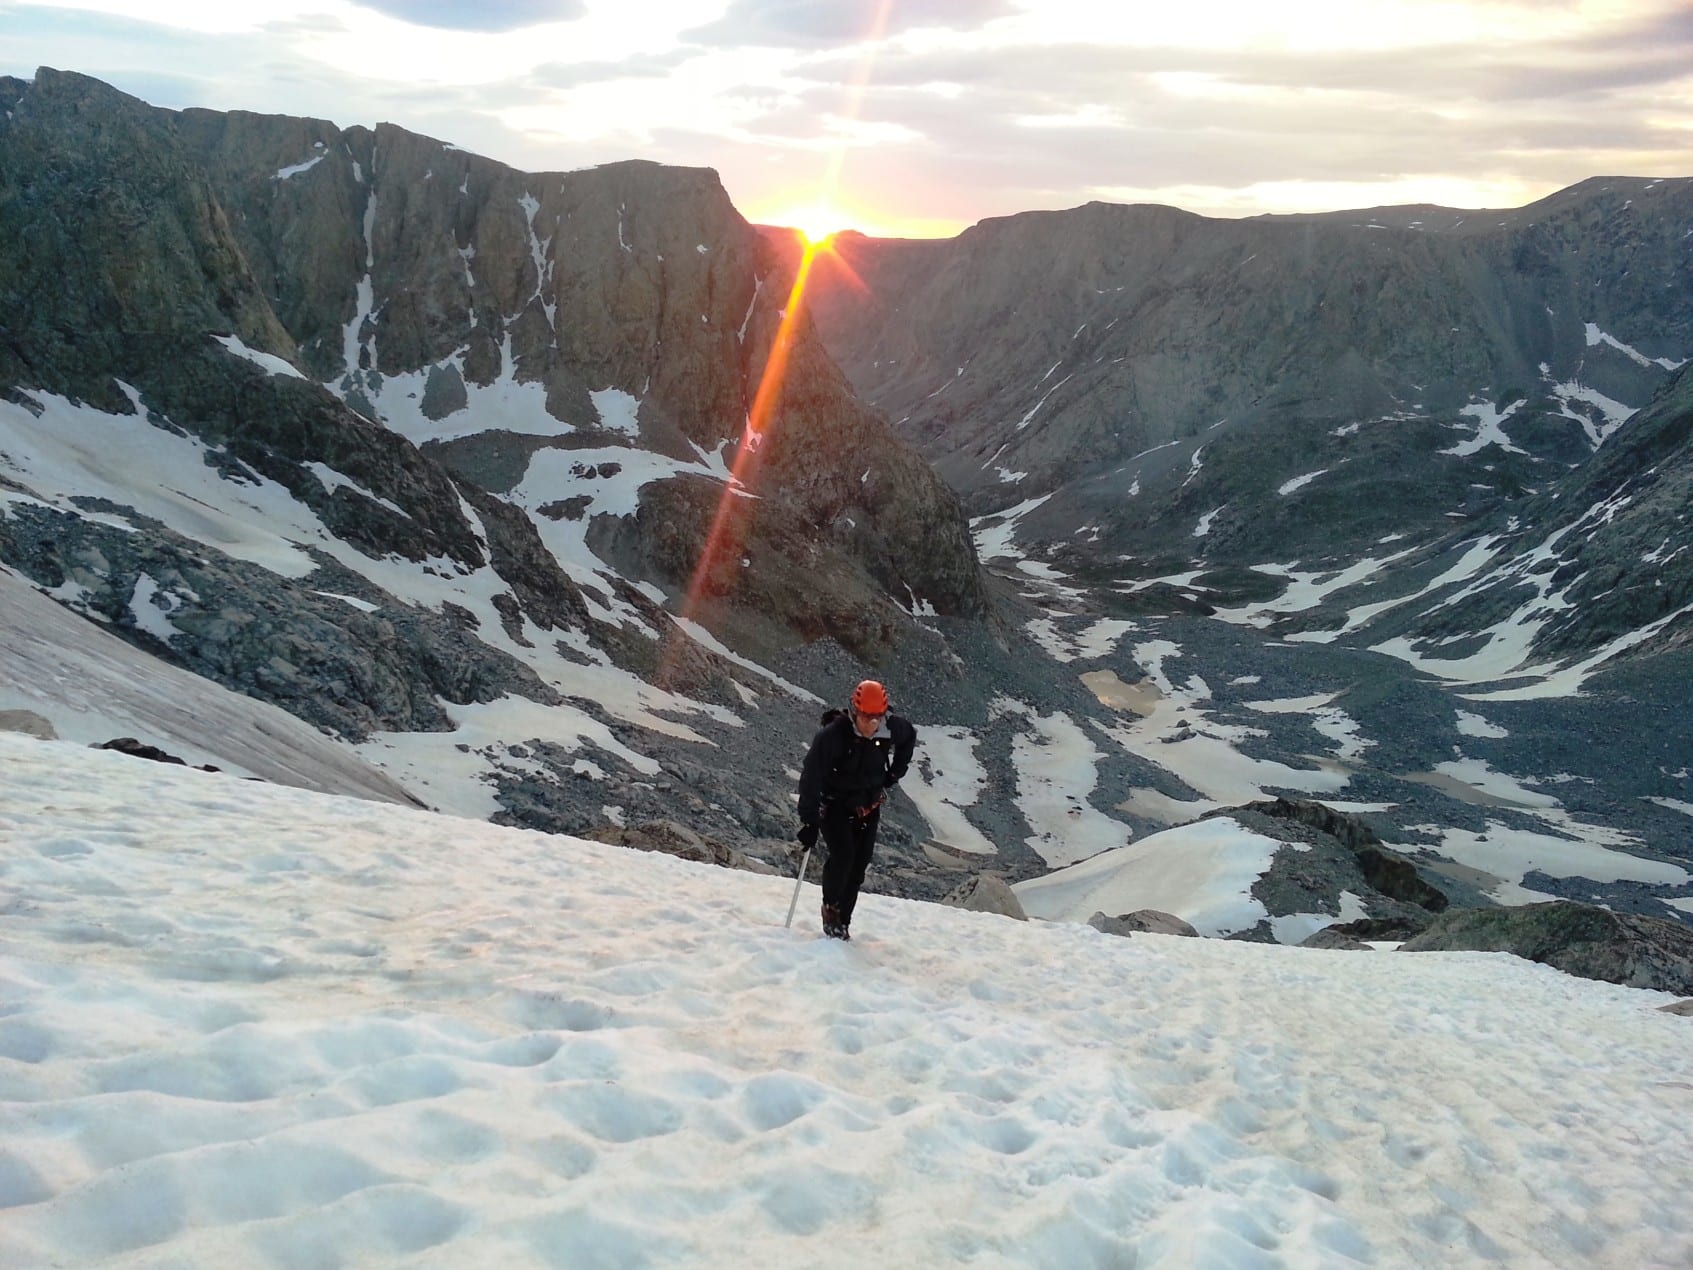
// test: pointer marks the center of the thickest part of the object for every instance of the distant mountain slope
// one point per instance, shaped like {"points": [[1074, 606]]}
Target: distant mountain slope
{"points": [[1038, 350], [1597, 566], [1134, 393]]}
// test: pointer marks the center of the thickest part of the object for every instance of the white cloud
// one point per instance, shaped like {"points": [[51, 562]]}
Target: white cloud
{"points": [[958, 111]]}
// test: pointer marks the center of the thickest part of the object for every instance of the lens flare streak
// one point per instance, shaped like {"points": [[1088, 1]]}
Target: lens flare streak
{"points": [[743, 475]]}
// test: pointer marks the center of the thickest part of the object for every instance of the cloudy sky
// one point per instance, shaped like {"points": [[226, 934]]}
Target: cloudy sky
{"points": [[919, 117]]}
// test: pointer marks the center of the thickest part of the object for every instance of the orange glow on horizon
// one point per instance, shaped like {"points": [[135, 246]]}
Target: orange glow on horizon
{"points": [[819, 222]]}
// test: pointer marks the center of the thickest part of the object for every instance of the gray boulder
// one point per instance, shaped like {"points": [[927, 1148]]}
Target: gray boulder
{"points": [[1579, 939], [1330, 937], [29, 723], [1147, 920], [1678, 1007], [987, 893]]}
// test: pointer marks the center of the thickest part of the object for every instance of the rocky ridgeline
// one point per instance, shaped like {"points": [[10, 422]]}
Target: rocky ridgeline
{"points": [[1053, 350]]}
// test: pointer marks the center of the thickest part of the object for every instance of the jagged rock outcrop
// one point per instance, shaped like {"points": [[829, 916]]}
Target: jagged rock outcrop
{"points": [[1327, 857], [1334, 940], [1384, 929], [383, 262], [464, 429], [1579, 939], [1358, 935]]}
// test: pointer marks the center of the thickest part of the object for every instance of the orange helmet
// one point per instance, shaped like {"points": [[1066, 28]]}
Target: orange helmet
{"points": [[870, 698]]}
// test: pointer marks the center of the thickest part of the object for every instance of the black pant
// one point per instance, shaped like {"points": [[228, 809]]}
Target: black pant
{"points": [[850, 841]]}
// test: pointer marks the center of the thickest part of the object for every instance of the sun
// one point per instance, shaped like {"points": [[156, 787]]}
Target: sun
{"points": [[816, 222]]}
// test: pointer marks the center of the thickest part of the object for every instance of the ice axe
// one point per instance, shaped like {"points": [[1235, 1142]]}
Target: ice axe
{"points": [[804, 860]]}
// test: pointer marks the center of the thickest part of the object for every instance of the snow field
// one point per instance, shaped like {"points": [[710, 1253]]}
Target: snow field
{"points": [[250, 1025]]}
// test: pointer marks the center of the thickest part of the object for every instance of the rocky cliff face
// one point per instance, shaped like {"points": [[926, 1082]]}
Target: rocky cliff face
{"points": [[630, 304]]}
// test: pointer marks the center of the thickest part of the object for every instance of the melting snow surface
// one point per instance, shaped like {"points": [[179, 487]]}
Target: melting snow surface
{"points": [[1597, 337], [333, 480], [288, 173], [1506, 855], [996, 540], [1176, 734], [91, 687], [1474, 725], [270, 362], [1489, 429], [1095, 638], [1300, 482], [945, 778], [375, 1035], [76, 450], [617, 410], [505, 405], [1202, 873], [1057, 769]]}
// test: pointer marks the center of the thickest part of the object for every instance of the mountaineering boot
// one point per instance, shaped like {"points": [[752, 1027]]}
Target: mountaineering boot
{"points": [[833, 927]]}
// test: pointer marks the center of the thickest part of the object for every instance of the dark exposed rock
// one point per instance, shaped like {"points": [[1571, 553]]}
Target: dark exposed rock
{"points": [[1386, 871], [140, 749], [1199, 389], [1131, 327], [1147, 920], [1384, 929], [281, 263], [1623, 572], [134, 236], [1579, 939]]}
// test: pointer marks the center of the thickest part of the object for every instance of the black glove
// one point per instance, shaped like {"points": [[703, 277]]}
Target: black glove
{"points": [[807, 836]]}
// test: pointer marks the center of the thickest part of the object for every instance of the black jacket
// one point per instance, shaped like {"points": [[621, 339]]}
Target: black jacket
{"points": [[845, 772]]}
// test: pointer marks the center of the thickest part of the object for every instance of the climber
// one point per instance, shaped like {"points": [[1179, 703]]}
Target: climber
{"points": [[857, 757]]}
